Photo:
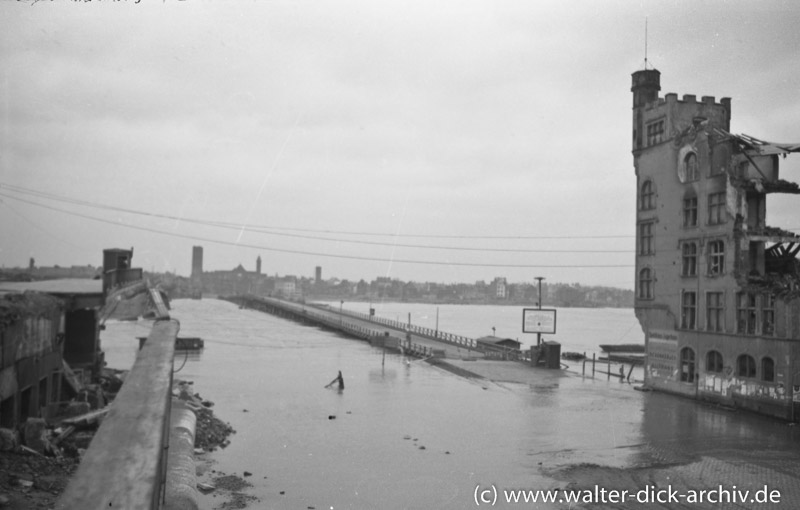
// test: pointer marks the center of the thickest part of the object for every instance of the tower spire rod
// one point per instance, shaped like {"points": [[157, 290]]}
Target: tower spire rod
{"points": [[645, 42]]}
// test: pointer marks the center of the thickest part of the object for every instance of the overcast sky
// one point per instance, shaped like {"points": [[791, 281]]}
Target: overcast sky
{"points": [[415, 140]]}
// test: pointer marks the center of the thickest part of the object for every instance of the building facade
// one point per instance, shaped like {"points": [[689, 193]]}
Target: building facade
{"points": [[717, 289], [31, 353]]}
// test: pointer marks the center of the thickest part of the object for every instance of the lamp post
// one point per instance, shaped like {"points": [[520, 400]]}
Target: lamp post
{"points": [[539, 334], [341, 303]]}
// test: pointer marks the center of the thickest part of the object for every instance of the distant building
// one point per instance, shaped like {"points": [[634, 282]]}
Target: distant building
{"points": [[500, 287], [197, 261], [716, 288], [318, 275], [286, 287], [227, 282]]}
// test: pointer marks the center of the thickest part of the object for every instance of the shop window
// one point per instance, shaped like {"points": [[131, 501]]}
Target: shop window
{"points": [[689, 259], [715, 311], [690, 212], [768, 369], [745, 366], [714, 362], [687, 365], [716, 208], [689, 310], [716, 258], [646, 283], [648, 198]]}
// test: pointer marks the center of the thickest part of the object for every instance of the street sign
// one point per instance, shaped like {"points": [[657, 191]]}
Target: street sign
{"points": [[535, 320]]}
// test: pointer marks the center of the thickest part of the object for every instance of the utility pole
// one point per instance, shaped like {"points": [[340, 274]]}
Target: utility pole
{"points": [[539, 334]]}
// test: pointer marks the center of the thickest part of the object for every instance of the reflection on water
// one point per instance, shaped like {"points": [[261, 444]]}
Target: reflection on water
{"points": [[412, 435]]}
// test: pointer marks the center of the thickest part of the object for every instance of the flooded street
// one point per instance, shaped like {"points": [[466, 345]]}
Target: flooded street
{"points": [[414, 436]]}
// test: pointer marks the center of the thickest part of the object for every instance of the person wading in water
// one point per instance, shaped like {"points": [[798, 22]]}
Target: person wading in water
{"points": [[338, 379]]}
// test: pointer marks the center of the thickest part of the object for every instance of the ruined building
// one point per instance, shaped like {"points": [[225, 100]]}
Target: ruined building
{"points": [[717, 288]]}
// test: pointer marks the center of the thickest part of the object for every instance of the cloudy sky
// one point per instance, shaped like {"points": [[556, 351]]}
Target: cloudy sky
{"points": [[444, 141]]}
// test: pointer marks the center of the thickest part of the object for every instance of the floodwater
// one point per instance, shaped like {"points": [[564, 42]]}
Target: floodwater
{"points": [[414, 436]]}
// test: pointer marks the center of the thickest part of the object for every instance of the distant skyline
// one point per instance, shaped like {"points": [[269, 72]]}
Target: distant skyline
{"points": [[451, 141]]}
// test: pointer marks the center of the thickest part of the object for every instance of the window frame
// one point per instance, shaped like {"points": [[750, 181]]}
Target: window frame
{"points": [[655, 132], [646, 285], [687, 365], [692, 172], [715, 311], [690, 211], [647, 196], [746, 366], [646, 239], [767, 314], [746, 313], [767, 369], [714, 362], [716, 208], [689, 260], [689, 310], [715, 257]]}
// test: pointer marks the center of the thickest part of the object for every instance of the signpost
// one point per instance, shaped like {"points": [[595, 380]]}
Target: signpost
{"points": [[539, 320]]}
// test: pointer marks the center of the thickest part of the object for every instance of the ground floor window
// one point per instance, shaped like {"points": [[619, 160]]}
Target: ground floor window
{"points": [[687, 365], [713, 361], [768, 369], [746, 366]]}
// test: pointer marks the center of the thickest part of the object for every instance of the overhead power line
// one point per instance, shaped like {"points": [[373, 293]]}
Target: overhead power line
{"points": [[271, 229], [311, 253]]}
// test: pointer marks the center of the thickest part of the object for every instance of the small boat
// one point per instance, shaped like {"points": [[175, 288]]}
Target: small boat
{"points": [[182, 343], [188, 343]]}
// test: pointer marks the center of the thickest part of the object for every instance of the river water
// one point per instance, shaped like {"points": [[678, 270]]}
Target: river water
{"points": [[412, 435]]}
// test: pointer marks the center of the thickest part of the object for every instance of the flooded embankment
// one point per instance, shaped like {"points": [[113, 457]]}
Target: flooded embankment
{"points": [[406, 434]]}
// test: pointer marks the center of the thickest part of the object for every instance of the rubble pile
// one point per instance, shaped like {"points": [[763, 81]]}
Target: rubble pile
{"points": [[210, 432], [34, 466]]}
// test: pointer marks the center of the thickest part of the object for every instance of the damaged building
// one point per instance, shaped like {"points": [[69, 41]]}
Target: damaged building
{"points": [[50, 334], [717, 288]]}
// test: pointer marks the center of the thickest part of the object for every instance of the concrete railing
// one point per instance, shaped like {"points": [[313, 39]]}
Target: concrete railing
{"points": [[125, 465]]}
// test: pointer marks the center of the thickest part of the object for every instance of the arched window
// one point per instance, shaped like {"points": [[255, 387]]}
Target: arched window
{"points": [[646, 283], [745, 366], [687, 365], [713, 361], [768, 369], [648, 198], [690, 163]]}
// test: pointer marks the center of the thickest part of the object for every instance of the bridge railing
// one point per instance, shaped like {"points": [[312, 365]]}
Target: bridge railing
{"points": [[442, 336], [125, 464]]}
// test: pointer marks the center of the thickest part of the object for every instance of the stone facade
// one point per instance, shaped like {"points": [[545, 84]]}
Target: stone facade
{"points": [[716, 288]]}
